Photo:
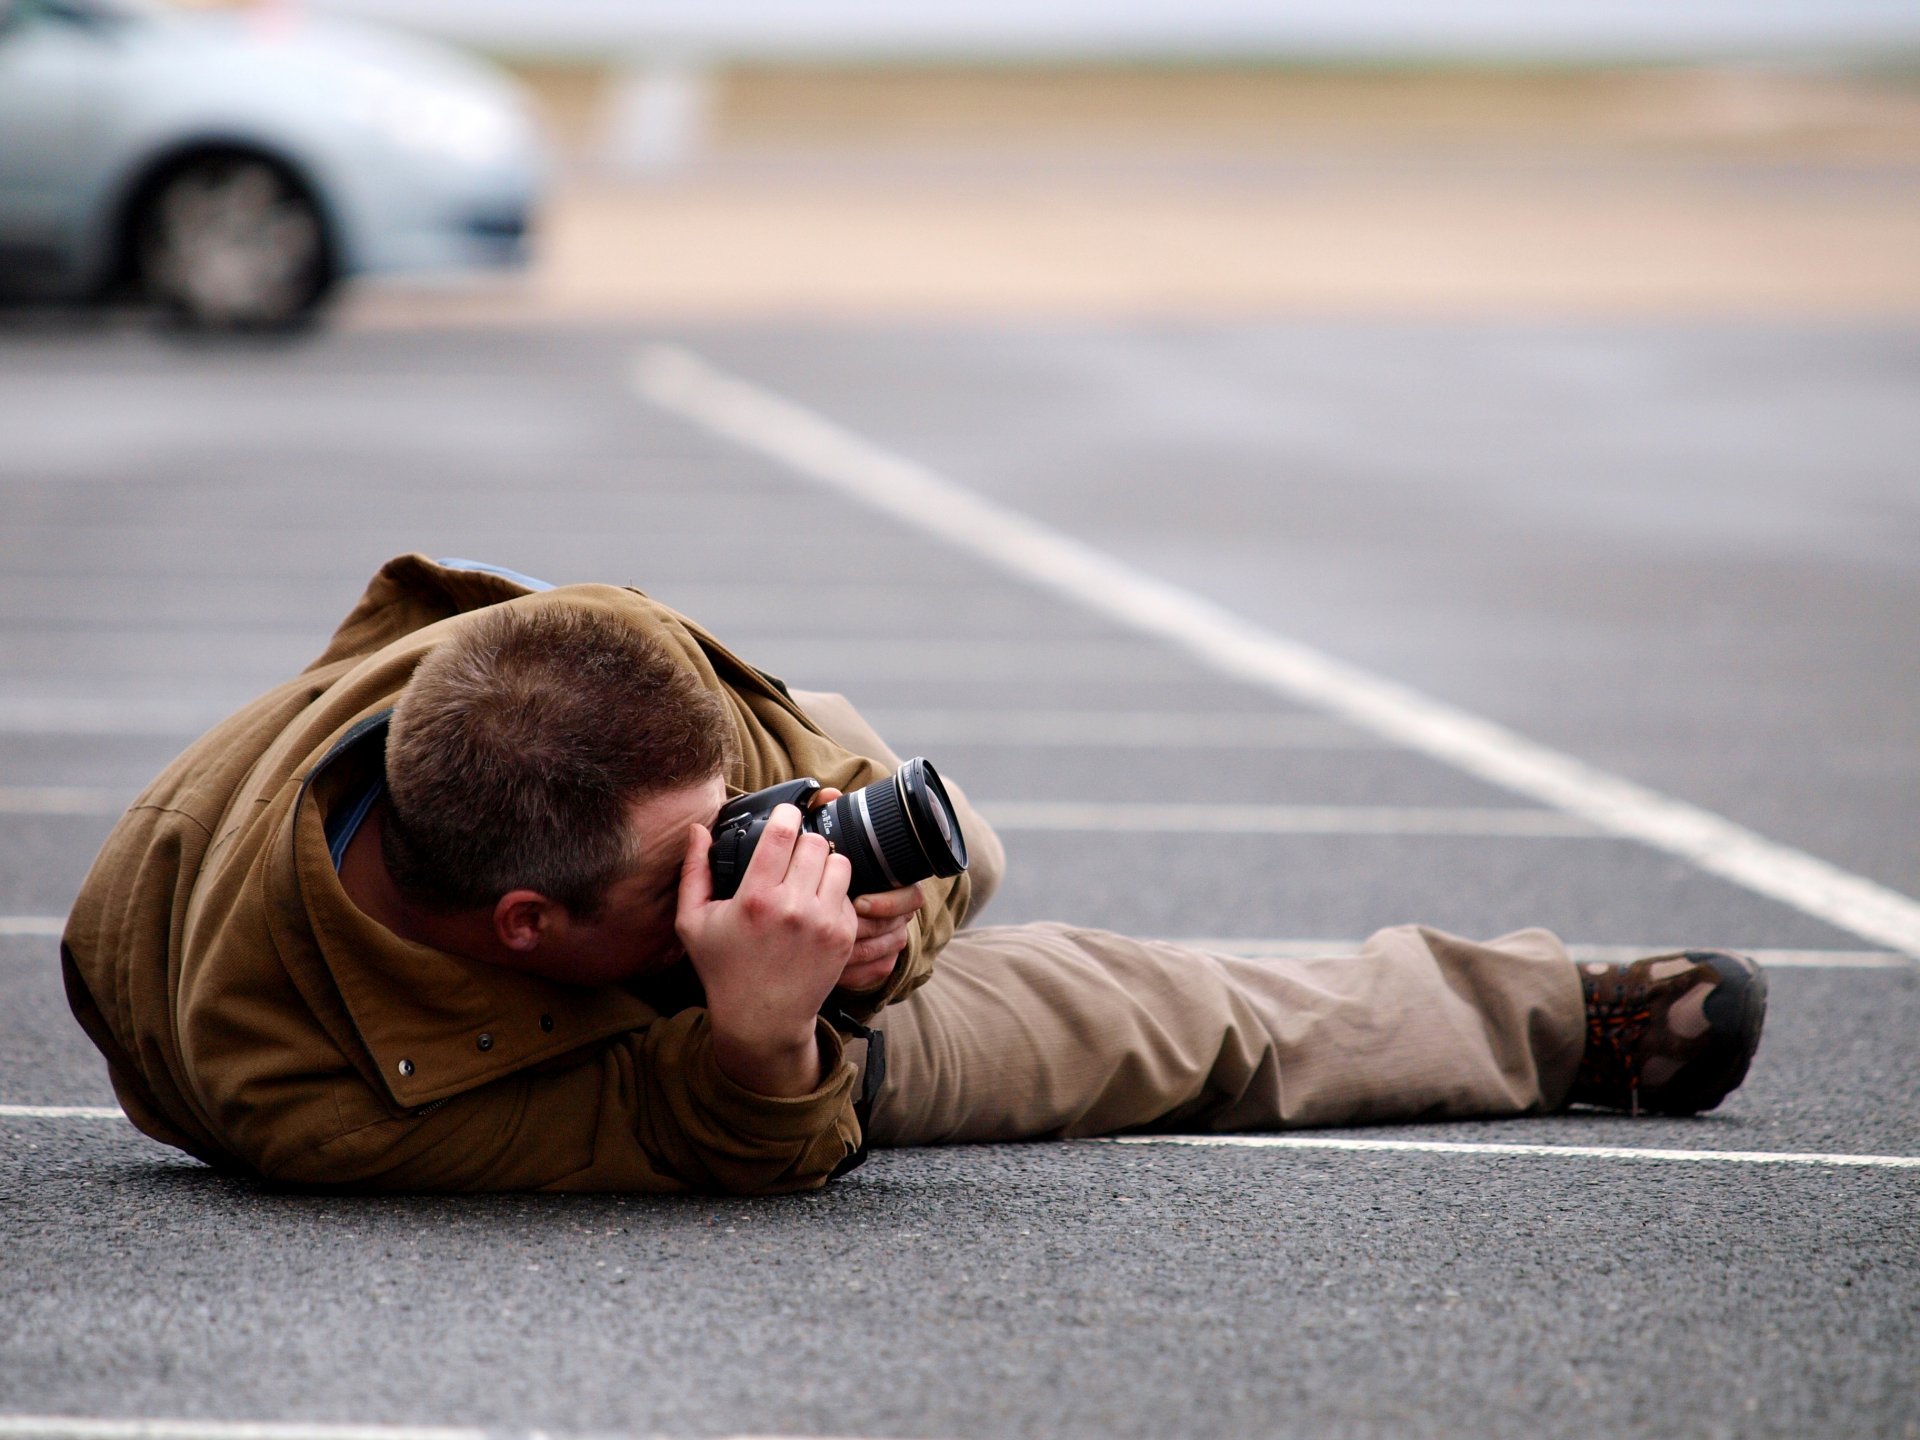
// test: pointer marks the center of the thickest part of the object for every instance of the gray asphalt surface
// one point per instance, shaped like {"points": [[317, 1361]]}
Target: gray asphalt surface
{"points": [[1691, 556]]}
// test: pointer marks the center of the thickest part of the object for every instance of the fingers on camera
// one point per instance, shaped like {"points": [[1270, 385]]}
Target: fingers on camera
{"points": [[836, 876], [773, 856]]}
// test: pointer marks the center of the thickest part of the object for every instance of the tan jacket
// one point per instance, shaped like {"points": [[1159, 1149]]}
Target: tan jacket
{"points": [[254, 1017]]}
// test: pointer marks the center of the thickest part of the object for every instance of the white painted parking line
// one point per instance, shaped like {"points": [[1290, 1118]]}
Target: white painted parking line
{"points": [[1303, 1142], [1257, 949], [87, 1427], [79, 1427], [62, 800], [1184, 818], [60, 1112], [1308, 1142], [54, 925], [1552, 1152], [813, 446], [822, 664], [1773, 959], [1119, 728], [79, 715]]}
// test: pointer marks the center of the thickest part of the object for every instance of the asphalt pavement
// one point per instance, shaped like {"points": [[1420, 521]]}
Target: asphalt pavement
{"points": [[1687, 556]]}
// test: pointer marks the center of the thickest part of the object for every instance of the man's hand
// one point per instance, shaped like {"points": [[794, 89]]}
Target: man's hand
{"points": [[770, 955], [884, 918], [884, 921]]}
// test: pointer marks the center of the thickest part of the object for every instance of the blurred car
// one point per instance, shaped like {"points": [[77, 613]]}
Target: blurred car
{"points": [[233, 166]]}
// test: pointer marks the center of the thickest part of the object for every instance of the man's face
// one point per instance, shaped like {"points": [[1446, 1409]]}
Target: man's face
{"points": [[633, 935]]}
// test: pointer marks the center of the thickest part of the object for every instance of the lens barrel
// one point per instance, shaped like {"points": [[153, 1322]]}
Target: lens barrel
{"points": [[894, 832], [897, 831]]}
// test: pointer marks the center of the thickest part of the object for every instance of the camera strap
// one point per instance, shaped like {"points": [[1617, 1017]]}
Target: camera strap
{"points": [[872, 1075]]}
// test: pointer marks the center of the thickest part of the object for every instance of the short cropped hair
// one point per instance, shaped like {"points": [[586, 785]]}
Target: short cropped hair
{"points": [[519, 746]]}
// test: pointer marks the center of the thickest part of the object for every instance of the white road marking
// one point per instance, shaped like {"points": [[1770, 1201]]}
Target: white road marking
{"points": [[1118, 728], [1177, 817], [87, 1427], [54, 925], [1006, 727], [62, 800], [1256, 949], [60, 1112], [1774, 959], [81, 716], [914, 494], [1471, 1147], [78, 1427], [824, 664], [1300, 1142]]}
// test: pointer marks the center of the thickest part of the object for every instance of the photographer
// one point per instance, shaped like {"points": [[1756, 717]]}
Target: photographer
{"points": [[442, 913]]}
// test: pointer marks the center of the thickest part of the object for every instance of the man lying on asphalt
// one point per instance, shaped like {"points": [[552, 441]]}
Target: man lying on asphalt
{"points": [[438, 914]]}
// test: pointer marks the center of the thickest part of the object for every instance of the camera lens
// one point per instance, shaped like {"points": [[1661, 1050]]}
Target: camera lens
{"points": [[895, 832]]}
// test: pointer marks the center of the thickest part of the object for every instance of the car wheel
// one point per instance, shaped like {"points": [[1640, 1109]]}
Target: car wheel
{"points": [[232, 242]]}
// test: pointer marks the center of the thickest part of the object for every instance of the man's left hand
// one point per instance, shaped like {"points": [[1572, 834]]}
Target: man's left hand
{"points": [[884, 918]]}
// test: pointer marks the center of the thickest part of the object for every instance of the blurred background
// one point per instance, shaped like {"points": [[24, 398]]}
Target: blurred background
{"points": [[849, 159]]}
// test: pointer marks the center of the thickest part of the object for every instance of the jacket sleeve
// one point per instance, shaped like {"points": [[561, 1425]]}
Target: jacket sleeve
{"points": [[650, 1111]]}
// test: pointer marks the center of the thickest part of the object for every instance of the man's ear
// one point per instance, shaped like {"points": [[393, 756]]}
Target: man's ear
{"points": [[524, 918]]}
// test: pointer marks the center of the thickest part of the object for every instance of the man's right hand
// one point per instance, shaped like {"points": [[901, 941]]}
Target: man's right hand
{"points": [[770, 955]]}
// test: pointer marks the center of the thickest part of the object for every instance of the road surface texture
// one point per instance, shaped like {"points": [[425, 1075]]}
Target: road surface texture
{"points": [[1688, 557]]}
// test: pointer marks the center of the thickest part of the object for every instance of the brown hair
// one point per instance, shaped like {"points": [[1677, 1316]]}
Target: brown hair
{"points": [[519, 746]]}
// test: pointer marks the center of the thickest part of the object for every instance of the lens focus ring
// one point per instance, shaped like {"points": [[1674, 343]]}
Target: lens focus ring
{"points": [[896, 848]]}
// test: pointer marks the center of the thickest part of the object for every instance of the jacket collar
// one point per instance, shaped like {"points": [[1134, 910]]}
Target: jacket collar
{"points": [[431, 1024]]}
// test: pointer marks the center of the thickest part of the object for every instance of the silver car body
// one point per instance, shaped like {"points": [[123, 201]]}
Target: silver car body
{"points": [[419, 157]]}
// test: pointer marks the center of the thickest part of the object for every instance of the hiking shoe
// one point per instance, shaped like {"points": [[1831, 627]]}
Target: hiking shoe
{"points": [[1670, 1034]]}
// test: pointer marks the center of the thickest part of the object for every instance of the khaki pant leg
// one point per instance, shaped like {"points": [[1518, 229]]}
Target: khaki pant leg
{"points": [[846, 727], [1045, 1031]]}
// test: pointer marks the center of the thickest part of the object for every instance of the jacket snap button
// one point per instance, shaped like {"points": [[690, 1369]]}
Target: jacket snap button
{"points": [[405, 1067], [546, 1022], [485, 1042]]}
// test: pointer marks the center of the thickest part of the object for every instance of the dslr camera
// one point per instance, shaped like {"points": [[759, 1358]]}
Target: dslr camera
{"points": [[895, 832]]}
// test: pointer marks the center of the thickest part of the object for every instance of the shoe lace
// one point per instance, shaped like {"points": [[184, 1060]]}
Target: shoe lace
{"points": [[1616, 1024]]}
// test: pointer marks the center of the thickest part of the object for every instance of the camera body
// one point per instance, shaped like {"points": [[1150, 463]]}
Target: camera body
{"points": [[894, 832]]}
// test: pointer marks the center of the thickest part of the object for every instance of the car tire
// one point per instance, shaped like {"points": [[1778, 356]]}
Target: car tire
{"points": [[232, 241]]}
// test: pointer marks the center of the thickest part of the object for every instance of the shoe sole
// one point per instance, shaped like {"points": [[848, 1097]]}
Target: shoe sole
{"points": [[1736, 1013]]}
